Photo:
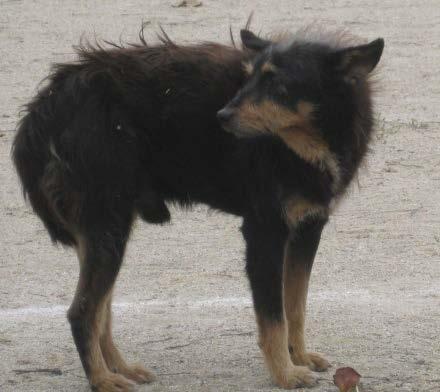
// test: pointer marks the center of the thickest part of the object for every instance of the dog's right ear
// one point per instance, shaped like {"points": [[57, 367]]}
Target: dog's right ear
{"points": [[253, 42], [358, 61]]}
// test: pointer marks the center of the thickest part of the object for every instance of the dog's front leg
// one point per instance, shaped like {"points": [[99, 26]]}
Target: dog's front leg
{"points": [[300, 252], [264, 264]]}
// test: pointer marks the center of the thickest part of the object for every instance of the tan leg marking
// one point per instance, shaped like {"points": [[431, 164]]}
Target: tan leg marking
{"points": [[297, 209], [100, 377], [296, 282], [113, 357], [274, 344]]}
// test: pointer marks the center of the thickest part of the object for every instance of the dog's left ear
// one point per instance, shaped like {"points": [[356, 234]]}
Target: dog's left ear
{"points": [[357, 61], [253, 42]]}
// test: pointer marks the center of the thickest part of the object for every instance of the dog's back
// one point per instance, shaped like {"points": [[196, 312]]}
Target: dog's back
{"points": [[116, 127]]}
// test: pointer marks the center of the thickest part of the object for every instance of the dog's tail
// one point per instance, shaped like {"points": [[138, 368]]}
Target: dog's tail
{"points": [[40, 169], [77, 152]]}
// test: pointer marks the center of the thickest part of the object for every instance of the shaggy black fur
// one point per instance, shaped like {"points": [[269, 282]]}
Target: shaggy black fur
{"points": [[124, 131]]}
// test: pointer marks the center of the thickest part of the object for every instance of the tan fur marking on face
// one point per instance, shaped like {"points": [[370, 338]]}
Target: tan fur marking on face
{"points": [[267, 116], [274, 344], [297, 209], [268, 67], [295, 128], [248, 67]]}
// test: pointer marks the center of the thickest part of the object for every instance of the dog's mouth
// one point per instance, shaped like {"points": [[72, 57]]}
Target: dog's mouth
{"points": [[243, 132], [229, 123]]}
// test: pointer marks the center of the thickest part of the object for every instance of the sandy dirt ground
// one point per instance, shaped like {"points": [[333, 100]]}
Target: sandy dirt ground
{"points": [[182, 303]]}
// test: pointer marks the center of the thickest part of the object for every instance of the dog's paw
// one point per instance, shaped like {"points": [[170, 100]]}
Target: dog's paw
{"points": [[295, 377], [313, 361], [137, 373], [318, 362], [111, 382]]}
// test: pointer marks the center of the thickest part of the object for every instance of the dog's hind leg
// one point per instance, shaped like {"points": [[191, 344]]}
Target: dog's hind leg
{"points": [[113, 358], [264, 265], [299, 255], [100, 249]]}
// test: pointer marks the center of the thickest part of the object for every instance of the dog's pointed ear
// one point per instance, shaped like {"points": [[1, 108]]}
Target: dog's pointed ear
{"points": [[253, 42], [357, 61]]}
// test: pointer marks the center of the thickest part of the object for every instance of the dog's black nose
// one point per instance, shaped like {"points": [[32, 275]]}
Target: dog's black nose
{"points": [[224, 115]]}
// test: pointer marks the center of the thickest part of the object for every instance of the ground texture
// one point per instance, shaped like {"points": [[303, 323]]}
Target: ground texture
{"points": [[182, 301]]}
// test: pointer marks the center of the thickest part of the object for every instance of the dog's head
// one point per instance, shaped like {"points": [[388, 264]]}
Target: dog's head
{"points": [[293, 82]]}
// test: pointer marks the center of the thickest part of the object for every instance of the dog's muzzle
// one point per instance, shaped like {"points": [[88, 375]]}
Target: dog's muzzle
{"points": [[225, 116]]}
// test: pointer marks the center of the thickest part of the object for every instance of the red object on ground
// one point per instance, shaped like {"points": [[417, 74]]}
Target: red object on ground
{"points": [[346, 378]]}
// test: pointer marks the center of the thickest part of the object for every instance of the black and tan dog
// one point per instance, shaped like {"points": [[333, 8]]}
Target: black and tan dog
{"points": [[121, 132]]}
